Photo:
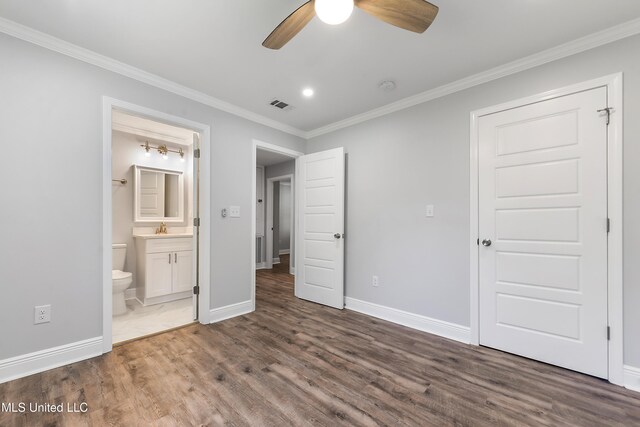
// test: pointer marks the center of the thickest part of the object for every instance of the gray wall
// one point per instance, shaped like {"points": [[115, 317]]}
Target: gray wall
{"points": [[275, 244], [400, 162], [51, 246], [284, 214], [284, 168], [280, 169]]}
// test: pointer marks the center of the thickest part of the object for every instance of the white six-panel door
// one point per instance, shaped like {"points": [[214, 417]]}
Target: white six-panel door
{"points": [[320, 237], [543, 206]]}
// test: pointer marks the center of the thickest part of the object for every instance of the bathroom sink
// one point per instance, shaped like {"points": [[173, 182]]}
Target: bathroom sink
{"points": [[162, 236]]}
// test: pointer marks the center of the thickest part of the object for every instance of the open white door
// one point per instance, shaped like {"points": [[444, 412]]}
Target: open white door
{"points": [[320, 234], [196, 225]]}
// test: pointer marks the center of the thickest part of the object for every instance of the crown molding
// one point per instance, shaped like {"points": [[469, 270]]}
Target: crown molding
{"points": [[47, 41], [582, 44]]}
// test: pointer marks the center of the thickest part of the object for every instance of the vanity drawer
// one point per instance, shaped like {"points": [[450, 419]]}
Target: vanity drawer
{"points": [[169, 245]]}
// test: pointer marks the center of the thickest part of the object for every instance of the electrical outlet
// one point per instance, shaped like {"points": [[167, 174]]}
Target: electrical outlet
{"points": [[374, 281], [234, 211], [42, 314]]}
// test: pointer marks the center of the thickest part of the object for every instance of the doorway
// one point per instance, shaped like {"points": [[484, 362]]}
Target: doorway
{"points": [[274, 215], [545, 176], [155, 204], [280, 220]]}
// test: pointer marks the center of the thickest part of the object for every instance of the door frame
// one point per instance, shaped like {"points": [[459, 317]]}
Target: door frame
{"points": [[614, 85], [254, 151], [204, 131], [269, 219]]}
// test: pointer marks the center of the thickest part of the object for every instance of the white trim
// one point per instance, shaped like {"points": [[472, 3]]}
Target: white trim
{"points": [[632, 378], [573, 47], [50, 358], [69, 49], [108, 105], [254, 152], [231, 310], [269, 217], [284, 251], [613, 83], [415, 321]]}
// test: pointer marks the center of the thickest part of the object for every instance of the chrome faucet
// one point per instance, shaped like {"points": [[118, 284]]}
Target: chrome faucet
{"points": [[162, 229]]}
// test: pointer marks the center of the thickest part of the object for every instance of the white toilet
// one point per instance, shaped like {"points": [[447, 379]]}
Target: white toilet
{"points": [[120, 280]]}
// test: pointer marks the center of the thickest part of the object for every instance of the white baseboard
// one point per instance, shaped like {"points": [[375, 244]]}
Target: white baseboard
{"points": [[229, 311], [632, 378], [261, 266], [411, 320], [276, 260], [284, 251], [50, 358], [130, 293], [292, 270]]}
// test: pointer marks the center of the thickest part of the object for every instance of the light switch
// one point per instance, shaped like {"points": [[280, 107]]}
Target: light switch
{"points": [[234, 211], [430, 211]]}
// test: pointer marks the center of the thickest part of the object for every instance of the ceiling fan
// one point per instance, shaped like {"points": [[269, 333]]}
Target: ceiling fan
{"points": [[412, 15]]}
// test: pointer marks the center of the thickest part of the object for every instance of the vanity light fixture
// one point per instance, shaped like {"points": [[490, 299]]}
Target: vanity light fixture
{"points": [[163, 150]]}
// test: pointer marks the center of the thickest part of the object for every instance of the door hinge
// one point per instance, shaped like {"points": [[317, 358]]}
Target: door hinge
{"points": [[608, 225], [196, 222], [196, 290], [478, 242], [608, 111], [608, 333], [196, 153]]}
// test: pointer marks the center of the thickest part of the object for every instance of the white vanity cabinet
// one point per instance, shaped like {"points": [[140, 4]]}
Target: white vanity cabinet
{"points": [[164, 267]]}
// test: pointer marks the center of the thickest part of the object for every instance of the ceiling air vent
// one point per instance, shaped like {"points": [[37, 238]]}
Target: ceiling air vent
{"points": [[281, 105]]}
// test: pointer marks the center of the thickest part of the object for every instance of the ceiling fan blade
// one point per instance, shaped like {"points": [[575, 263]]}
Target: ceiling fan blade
{"points": [[290, 26], [412, 15]]}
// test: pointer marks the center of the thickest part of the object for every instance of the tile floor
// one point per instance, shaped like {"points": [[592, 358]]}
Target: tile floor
{"points": [[140, 321]]}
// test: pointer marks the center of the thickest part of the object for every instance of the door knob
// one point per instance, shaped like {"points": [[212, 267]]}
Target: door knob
{"points": [[486, 242], [337, 235]]}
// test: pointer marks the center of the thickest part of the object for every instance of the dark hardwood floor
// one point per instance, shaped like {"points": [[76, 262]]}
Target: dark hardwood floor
{"points": [[297, 363]]}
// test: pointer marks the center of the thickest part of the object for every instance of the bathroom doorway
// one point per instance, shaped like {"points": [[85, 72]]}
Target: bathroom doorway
{"points": [[156, 251]]}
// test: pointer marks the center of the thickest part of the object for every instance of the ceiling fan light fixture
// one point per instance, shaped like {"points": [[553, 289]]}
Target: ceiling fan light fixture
{"points": [[333, 12]]}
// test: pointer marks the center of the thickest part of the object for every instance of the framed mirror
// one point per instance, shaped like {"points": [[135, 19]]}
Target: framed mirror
{"points": [[158, 195]]}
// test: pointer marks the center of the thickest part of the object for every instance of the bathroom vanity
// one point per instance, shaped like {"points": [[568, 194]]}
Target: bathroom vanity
{"points": [[164, 267]]}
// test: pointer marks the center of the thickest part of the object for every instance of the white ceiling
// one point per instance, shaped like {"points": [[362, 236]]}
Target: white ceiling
{"points": [[214, 46], [151, 129], [269, 158]]}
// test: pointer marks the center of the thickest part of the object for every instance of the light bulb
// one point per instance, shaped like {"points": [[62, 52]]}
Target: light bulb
{"points": [[308, 92], [147, 154], [182, 159], [334, 12], [164, 156]]}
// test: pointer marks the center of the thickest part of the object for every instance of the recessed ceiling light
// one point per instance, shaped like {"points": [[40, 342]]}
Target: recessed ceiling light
{"points": [[308, 92]]}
